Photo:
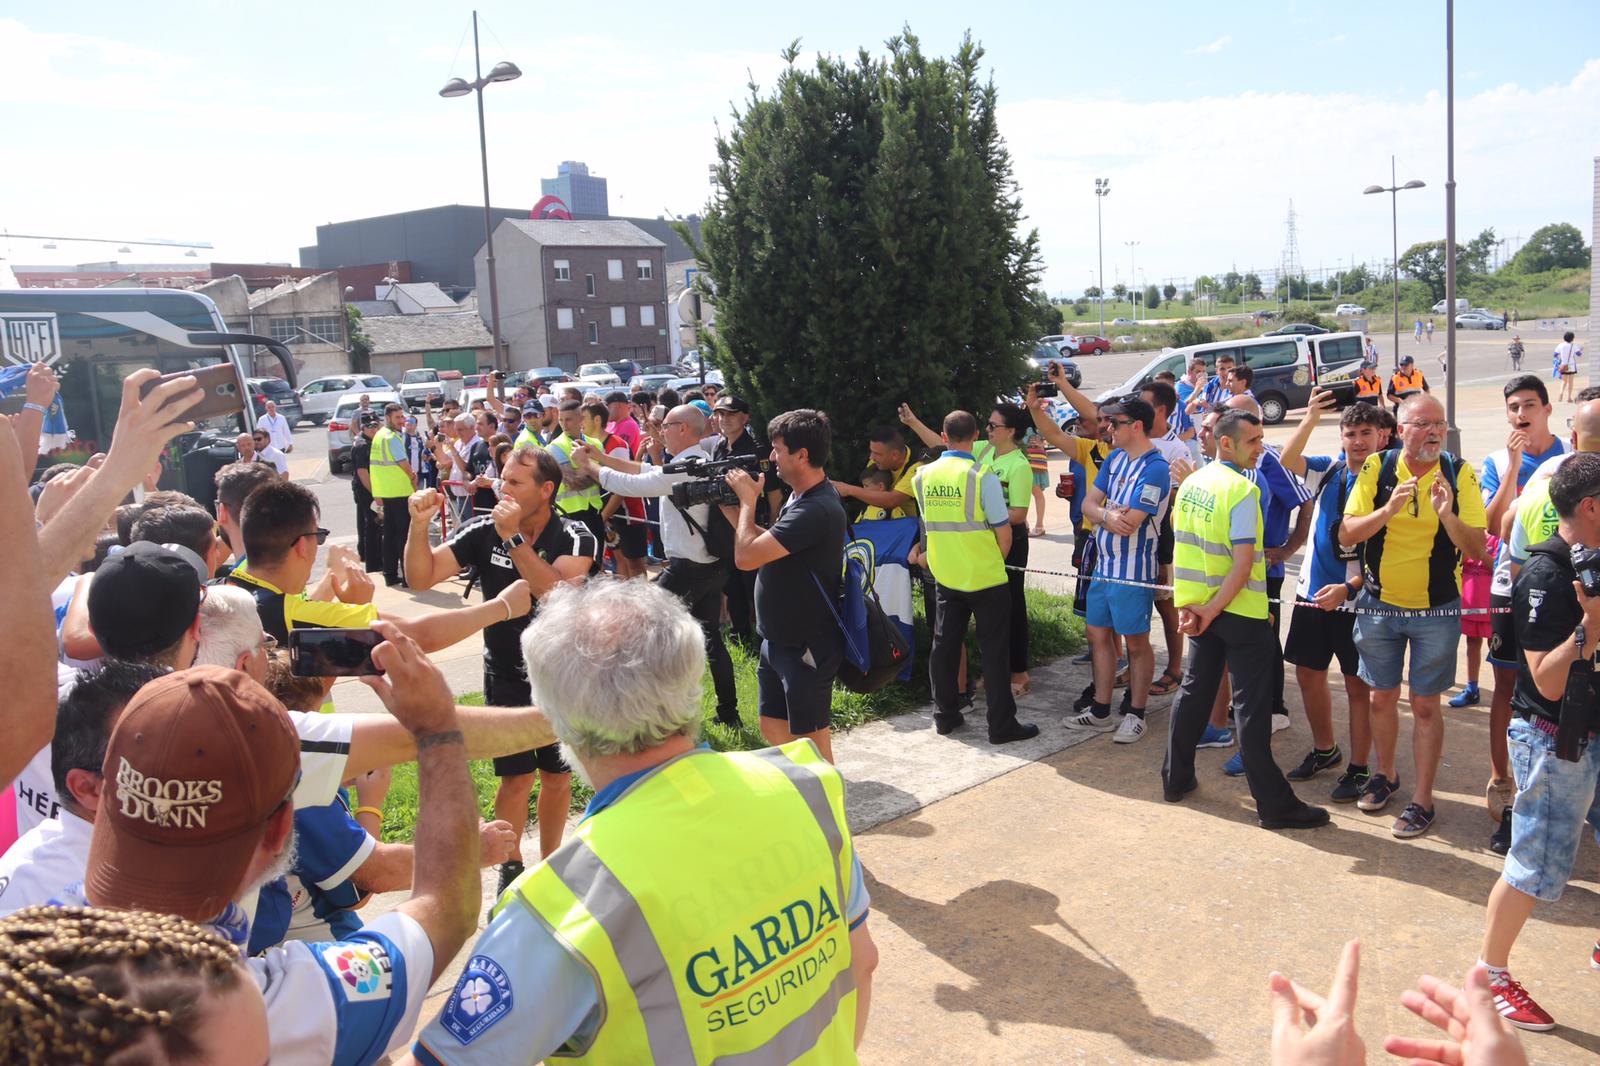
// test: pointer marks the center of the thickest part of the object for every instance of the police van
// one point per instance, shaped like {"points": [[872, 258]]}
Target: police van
{"points": [[1282, 367], [94, 338]]}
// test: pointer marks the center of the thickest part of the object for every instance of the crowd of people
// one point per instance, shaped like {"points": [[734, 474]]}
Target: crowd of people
{"points": [[197, 834]]}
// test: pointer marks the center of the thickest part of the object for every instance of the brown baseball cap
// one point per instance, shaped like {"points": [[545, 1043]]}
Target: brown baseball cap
{"points": [[196, 766]]}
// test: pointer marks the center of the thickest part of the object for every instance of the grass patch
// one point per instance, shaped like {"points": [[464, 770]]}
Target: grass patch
{"points": [[1053, 631]]}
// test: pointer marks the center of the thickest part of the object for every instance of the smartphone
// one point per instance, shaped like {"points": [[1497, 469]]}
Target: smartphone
{"points": [[224, 395], [1045, 389], [332, 652]]}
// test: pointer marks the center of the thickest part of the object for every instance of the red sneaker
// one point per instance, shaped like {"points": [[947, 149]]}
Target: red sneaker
{"points": [[1517, 1007], [1594, 959]]}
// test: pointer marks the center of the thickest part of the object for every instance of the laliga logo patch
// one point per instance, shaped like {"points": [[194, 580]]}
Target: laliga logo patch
{"points": [[1150, 494], [363, 970], [481, 998]]}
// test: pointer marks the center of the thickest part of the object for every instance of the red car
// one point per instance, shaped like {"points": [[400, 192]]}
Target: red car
{"points": [[1090, 345]]}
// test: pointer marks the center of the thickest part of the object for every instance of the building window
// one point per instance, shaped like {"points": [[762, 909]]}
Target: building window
{"points": [[286, 330], [326, 327], [588, 284], [563, 270], [614, 269], [647, 314], [619, 317], [645, 273], [563, 318], [594, 333]]}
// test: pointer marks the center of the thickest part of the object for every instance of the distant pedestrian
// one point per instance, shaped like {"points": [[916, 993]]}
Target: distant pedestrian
{"points": [[1430, 330], [1566, 360], [1416, 332], [1372, 351], [1515, 350]]}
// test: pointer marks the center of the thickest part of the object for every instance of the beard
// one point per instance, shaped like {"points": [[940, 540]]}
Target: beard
{"points": [[281, 865]]}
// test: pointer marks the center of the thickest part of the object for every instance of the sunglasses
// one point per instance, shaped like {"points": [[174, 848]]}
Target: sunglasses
{"points": [[320, 533]]}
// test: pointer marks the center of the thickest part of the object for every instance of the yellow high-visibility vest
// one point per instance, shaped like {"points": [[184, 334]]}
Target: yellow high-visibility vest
{"points": [[962, 551], [1202, 552]]}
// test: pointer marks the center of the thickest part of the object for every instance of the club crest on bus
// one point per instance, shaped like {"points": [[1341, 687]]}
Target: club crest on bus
{"points": [[30, 338]]}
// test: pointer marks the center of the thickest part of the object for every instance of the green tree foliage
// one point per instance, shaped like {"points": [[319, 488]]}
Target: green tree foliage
{"points": [[1119, 291], [1092, 292], [360, 343], [1233, 279], [1425, 262], [1250, 284], [1188, 332], [1170, 291], [1473, 257], [1047, 317], [1152, 297], [1551, 247], [1080, 308], [866, 242]]}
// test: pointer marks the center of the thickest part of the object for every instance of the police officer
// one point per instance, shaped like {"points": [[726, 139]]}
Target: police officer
{"points": [[1406, 382], [393, 482], [369, 528], [1369, 387], [643, 938], [1220, 589], [966, 534]]}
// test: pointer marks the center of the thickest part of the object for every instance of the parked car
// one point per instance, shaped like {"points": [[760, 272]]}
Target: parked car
{"points": [[318, 398], [653, 382], [1303, 329], [626, 369], [595, 375], [474, 381], [682, 384], [1462, 304], [548, 375], [1090, 345], [1479, 320], [1124, 339], [1122, 322], [1350, 310], [419, 385], [690, 363], [1282, 368], [279, 392], [339, 428]]}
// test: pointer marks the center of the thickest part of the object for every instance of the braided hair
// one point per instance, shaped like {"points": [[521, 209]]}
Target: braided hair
{"points": [[86, 985]]}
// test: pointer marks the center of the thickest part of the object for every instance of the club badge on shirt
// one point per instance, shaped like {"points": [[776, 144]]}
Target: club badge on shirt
{"points": [[481, 998], [1150, 495]]}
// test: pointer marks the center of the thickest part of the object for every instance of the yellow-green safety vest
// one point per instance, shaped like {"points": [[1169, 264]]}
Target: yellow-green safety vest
{"points": [[572, 501], [1202, 552], [708, 904], [1536, 514], [388, 480], [527, 436], [962, 551]]}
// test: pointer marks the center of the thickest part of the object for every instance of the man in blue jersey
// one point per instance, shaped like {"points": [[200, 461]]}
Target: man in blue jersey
{"points": [[1330, 577], [1126, 503]]}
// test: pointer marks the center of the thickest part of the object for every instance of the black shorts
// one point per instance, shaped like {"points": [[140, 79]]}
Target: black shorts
{"points": [[514, 692], [796, 691], [1502, 634], [1164, 540], [1083, 559], [630, 536], [1317, 636]]}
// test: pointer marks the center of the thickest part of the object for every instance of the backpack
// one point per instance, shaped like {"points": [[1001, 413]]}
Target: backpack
{"points": [[1388, 478], [875, 650]]}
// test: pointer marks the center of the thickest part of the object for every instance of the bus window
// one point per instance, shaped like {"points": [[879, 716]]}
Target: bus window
{"points": [[1282, 353]]}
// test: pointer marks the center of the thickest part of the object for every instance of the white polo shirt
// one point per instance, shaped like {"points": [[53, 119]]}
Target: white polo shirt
{"points": [[51, 854]]}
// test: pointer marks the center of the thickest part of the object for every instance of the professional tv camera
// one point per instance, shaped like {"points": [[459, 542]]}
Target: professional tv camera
{"points": [[710, 484]]}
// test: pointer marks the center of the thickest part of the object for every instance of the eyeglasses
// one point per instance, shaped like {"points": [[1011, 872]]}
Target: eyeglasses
{"points": [[1422, 424], [320, 533], [1121, 423], [995, 425], [267, 644]]}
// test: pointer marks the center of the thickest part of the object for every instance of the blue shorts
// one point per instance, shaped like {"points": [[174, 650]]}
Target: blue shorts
{"points": [[1123, 609], [1381, 639], [1555, 798]]}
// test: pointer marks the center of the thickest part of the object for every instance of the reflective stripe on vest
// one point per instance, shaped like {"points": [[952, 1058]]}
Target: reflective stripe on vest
{"points": [[686, 976], [962, 551], [388, 480], [568, 500], [1202, 552]]}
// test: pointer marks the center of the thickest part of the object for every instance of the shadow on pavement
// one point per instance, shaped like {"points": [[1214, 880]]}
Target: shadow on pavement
{"points": [[883, 808], [999, 934]]}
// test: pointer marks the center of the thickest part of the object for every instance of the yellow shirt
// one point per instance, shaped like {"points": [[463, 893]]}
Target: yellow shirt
{"points": [[1090, 453], [1412, 559], [902, 483]]}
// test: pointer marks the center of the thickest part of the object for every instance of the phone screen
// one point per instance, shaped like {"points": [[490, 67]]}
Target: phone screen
{"points": [[333, 652]]}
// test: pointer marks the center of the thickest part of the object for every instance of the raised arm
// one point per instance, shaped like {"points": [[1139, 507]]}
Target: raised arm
{"points": [[915, 425], [1080, 403], [28, 654], [1293, 457], [753, 547], [426, 565]]}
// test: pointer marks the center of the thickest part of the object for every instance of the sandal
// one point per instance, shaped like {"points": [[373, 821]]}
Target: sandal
{"points": [[1165, 685]]}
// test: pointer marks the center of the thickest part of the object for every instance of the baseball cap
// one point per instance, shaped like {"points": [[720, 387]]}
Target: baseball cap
{"points": [[195, 766], [549, 403], [142, 599], [1404, 359], [704, 407], [369, 418], [732, 403], [532, 408]]}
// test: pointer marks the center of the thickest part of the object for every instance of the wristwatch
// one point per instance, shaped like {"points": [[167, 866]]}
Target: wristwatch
{"points": [[513, 542], [1580, 636]]}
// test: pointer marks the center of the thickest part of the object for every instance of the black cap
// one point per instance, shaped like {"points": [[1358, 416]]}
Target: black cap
{"points": [[534, 408], [732, 403], [142, 599], [368, 418]]}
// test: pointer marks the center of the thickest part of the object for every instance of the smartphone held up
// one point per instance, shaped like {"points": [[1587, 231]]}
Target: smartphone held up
{"points": [[333, 652]]}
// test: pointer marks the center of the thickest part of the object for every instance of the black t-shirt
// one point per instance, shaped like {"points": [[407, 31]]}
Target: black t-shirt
{"points": [[789, 606], [477, 543], [478, 462], [360, 459], [1545, 611]]}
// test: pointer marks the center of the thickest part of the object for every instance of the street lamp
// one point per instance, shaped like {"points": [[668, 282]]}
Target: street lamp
{"points": [[460, 87], [1102, 189], [1133, 279], [1394, 226]]}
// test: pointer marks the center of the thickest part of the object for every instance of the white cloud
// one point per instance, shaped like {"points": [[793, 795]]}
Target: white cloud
{"points": [[1211, 49]]}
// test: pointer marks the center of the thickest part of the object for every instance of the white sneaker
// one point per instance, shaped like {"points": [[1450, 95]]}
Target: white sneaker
{"points": [[1088, 721], [1280, 722], [1131, 729]]}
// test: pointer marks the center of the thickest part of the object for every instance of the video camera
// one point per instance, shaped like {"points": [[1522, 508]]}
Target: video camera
{"points": [[710, 484], [1580, 704]]}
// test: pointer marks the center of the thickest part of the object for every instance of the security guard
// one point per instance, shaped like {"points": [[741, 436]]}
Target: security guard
{"points": [[579, 497], [966, 533], [1406, 382], [393, 482], [1220, 589], [1369, 386], [645, 938]]}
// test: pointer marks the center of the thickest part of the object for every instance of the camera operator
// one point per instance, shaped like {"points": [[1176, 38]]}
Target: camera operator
{"points": [[694, 573], [798, 564], [1554, 757]]}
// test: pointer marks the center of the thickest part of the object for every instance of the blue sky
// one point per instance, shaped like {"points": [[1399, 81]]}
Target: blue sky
{"points": [[247, 125]]}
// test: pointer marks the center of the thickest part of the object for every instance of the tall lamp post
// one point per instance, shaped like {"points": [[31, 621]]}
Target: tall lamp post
{"points": [[1102, 189], [1133, 279], [504, 71], [1394, 227]]}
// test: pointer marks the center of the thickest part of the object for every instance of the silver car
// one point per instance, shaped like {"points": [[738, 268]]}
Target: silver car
{"points": [[340, 429], [318, 398], [1479, 320]]}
